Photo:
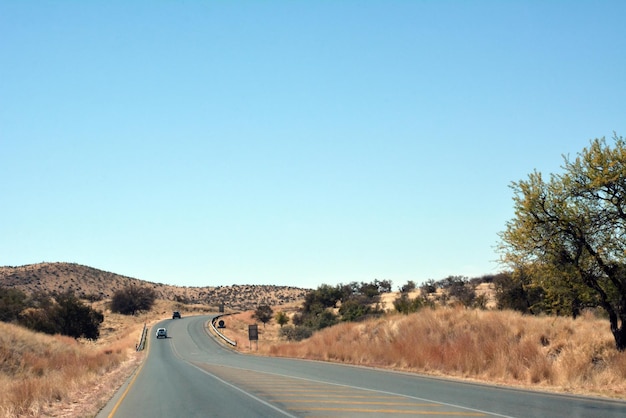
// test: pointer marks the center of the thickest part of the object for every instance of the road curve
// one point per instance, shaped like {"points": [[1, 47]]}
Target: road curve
{"points": [[189, 374]]}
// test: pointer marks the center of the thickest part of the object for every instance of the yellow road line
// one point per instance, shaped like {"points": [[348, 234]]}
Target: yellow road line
{"points": [[330, 395], [422, 405], [395, 411], [119, 402]]}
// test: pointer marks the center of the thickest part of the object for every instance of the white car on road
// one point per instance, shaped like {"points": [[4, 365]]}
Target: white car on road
{"points": [[161, 333]]}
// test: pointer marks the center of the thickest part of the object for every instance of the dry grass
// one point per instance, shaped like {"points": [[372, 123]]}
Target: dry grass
{"points": [[38, 370], [43, 375], [501, 347]]}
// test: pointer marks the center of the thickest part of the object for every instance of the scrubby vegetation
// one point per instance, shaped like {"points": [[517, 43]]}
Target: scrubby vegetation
{"points": [[328, 305], [132, 299], [92, 284], [61, 313], [264, 313], [492, 328]]}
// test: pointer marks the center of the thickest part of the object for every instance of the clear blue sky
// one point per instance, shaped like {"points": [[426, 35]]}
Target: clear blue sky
{"points": [[206, 143]]}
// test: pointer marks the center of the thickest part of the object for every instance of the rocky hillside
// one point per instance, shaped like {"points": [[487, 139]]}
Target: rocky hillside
{"points": [[88, 282]]}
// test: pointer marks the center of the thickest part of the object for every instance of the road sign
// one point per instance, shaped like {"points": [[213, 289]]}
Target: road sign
{"points": [[253, 332]]}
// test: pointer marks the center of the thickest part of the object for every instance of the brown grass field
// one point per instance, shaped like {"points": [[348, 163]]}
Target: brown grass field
{"points": [[43, 375], [56, 376], [500, 347]]}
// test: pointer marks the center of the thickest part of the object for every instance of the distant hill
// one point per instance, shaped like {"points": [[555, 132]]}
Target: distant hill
{"points": [[89, 282]]}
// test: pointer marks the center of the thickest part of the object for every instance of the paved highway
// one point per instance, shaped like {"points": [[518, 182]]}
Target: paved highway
{"points": [[189, 374]]}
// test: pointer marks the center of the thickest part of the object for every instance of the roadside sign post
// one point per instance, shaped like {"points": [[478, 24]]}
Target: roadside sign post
{"points": [[253, 335]]}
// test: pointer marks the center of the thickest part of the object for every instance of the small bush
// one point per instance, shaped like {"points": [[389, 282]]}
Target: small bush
{"points": [[12, 302], [406, 305], [281, 318], [408, 287], [295, 333]]}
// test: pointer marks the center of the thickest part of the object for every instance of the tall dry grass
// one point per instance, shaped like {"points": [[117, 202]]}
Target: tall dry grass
{"points": [[37, 370], [501, 347], [43, 375]]}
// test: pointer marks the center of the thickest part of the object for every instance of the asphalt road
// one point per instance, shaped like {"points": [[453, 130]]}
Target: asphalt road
{"points": [[189, 374]]}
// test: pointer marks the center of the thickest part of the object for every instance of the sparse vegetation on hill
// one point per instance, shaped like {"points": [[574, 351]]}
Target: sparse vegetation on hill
{"points": [[92, 284], [44, 375]]}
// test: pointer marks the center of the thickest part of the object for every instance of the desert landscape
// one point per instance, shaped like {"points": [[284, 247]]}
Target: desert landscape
{"points": [[94, 284], [53, 375]]}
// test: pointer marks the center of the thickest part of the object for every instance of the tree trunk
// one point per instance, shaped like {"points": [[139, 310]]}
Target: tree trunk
{"points": [[618, 329], [620, 338]]}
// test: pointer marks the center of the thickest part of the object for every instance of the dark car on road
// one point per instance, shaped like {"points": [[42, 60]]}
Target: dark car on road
{"points": [[176, 314]]}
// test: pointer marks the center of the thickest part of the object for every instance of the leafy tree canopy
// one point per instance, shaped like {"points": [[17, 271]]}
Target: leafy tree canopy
{"points": [[263, 313], [569, 232]]}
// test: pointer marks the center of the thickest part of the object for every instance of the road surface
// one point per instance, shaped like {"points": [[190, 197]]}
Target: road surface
{"points": [[190, 374]]}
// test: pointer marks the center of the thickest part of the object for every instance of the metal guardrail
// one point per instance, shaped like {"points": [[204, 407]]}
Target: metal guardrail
{"points": [[225, 338], [142, 339]]}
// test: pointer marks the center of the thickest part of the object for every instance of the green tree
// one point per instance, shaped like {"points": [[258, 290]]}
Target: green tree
{"points": [[281, 318], [570, 232], [264, 314], [132, 299]]}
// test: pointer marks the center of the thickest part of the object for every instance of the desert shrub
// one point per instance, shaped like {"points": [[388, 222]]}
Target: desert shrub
{"points": [[75, 319], [319, 319], [406, 305], [281, 318], [38, 319], [356, 301], [355, 309], [263, 313], [132, 299], [62, 314], [408, 287], [429, 286], [12, 302], [295, 333], [458, 287]]}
